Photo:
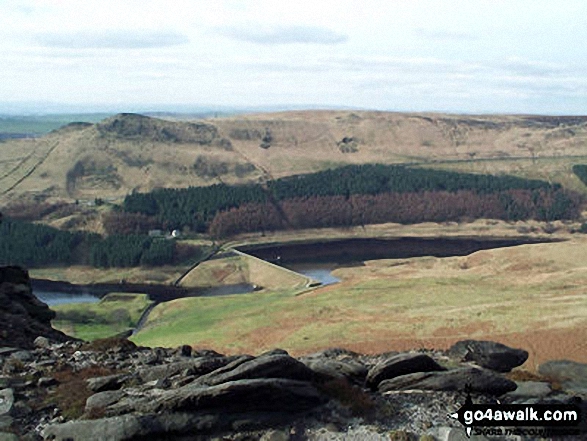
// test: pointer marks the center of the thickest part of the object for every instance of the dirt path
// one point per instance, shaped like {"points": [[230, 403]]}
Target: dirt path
{"points": [[24, 169]]}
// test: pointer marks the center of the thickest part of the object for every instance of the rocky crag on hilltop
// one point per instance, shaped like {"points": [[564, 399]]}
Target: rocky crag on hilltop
{"points": [[55, 388]]}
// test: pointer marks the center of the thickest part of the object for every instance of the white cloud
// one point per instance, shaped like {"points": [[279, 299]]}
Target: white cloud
{"points": [[284, 34], [444, 35], [413, 55], [111, 39]]}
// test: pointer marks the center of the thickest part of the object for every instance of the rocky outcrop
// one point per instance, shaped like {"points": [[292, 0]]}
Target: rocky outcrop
{"points": [[175, 426], [73, 391], [107, 383], [56, 388], [139, 127], [264, 366], [399, 365], [489, 354], [350, 370], [568, 374], [23, 317], [198, 366], [479, 380], [239, 396]]}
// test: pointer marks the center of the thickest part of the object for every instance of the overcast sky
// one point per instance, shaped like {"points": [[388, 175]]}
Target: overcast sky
{"points": [[474, 56]]}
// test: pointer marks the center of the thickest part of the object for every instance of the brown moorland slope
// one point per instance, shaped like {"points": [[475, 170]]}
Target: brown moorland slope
{"points": [[530, 296], [133, 152]]}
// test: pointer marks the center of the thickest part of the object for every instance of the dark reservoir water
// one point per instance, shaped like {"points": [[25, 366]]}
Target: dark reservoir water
{"points": [[318, 259]]}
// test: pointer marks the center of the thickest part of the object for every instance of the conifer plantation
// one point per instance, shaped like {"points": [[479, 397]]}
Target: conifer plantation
{"points": [[348, 196], [344, 197], [33, 246]]}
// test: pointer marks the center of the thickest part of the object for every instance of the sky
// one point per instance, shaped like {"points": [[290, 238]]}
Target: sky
{"points": [[459, 56]]}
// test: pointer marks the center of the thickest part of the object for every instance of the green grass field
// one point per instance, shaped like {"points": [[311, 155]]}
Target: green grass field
{"points": [[113, 314], [218, 320], [337, 315]]}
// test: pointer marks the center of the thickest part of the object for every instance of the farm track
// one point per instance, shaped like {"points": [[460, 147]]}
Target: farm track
{"points": [[267, 176], [24, 169], [16, 167]]}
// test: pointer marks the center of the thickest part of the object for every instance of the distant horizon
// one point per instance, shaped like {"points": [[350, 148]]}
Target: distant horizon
{"points": [[63, 109]]}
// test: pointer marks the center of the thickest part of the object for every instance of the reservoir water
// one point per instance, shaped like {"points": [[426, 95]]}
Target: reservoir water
{"points": [[60, 298], [321, 272], [92, 294], [318, 259]]}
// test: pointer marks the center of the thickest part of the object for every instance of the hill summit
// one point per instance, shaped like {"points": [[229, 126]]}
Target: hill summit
{"points": [[131, 152], [140, 127]]}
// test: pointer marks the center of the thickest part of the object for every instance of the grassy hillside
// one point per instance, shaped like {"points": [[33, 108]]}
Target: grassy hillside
{"points": [[531, 296], [129, 152], [113, 314], [307, 141], [216, 322], [114, 157]]}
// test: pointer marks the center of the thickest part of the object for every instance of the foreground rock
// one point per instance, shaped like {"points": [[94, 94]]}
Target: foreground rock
{"points": [[480, 380], [186, 426], [198, 366], [401, 364], [55, 389], [23, 317], [350, 370], [6, 401], [71, 391], [568, 374], [265, 366], [488, 354], [265, 394], [109, 382]]}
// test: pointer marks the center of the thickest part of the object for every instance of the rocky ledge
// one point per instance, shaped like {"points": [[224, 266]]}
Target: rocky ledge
{"points": [[23, 317], [113, 390]]}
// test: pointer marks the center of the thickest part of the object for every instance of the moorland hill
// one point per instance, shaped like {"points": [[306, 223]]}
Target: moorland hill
{"points": [[133, 152]]}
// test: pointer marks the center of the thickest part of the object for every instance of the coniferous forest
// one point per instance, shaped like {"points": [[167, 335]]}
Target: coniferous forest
{"points": [[348, 196], [377, 178], [33, 245], [355, 195], [580, 171], [405, 208], [131, 250], [193, 207]]}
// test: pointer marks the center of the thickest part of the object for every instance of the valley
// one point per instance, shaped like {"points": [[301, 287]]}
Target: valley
{"points": [[378, 297], [293, 221], [531, 293]]}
